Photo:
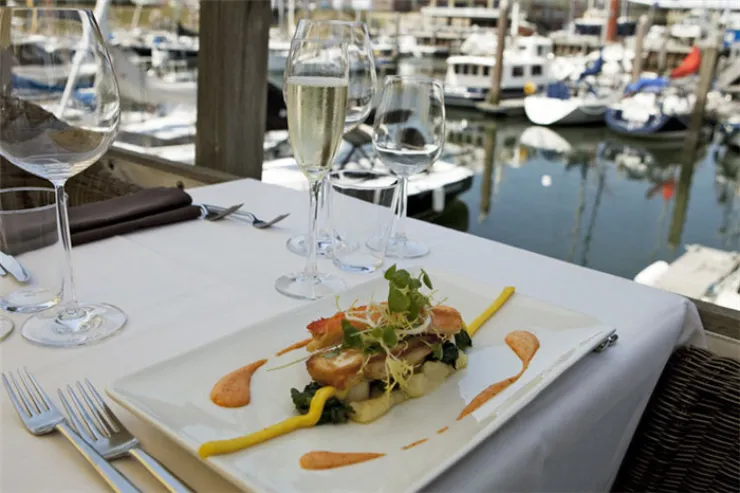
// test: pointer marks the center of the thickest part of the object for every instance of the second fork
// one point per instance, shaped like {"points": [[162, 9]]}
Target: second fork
{"points": [[95, 422]]}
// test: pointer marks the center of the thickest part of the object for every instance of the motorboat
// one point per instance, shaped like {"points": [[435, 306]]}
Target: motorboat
{"points": [[526, 65], [577, 100]]}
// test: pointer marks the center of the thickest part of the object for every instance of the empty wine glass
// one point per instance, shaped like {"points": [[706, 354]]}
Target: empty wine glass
{"points": [[59, 116], [317, 79], [362, 86], [408, 137]]}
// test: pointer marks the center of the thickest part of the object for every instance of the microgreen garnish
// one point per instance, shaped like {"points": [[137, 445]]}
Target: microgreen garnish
{"points": [[383, 326]]}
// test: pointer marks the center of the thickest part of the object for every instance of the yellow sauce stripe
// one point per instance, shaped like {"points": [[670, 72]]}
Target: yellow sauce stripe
{"points": [[476, 324], [307, 420]]}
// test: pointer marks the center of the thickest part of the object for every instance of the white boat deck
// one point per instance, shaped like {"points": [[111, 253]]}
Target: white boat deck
{"points": [[701, 273]]}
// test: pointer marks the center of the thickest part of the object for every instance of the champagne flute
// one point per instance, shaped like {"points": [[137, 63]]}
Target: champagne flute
{"points": [[317, 79], [52, 132], [362, 86], [408, 137]]}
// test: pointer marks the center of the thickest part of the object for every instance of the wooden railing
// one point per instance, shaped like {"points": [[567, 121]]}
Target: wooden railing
{"points": [[150, 171]]}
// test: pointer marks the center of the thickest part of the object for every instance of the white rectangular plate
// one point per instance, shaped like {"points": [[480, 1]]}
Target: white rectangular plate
{"points": [[174, 395]]}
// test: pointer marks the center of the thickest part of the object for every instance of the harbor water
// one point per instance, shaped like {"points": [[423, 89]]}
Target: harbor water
{"points": [[586, 195]]}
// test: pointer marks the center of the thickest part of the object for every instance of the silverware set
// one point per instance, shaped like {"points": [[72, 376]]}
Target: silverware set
{"points": [[90, 425], [216, 213]]}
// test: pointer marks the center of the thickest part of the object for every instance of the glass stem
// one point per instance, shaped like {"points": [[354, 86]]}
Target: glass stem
{"points": [[69, 296], [315, 191], [403, 192], [323, 217]]}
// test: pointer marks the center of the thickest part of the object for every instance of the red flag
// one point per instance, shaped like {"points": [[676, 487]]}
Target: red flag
{"points": [[689, 65]]}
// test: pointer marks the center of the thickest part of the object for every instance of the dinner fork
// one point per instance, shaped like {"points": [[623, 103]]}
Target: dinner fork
{"points": [[95, 422], [40, 416], [256, 222]]}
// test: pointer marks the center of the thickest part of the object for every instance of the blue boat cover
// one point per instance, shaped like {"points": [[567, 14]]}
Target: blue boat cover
{"points": [[594, 69], [19, 82], [558, 90], [647, 85]]}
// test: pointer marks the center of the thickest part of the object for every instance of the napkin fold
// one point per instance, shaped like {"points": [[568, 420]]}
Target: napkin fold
{"points": [[95, 221]]}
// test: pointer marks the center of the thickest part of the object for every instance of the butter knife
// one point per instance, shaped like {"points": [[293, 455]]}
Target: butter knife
{"points": [[15, 268]]}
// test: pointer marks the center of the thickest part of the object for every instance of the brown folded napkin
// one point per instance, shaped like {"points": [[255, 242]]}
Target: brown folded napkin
{"points": [[149, 208]]}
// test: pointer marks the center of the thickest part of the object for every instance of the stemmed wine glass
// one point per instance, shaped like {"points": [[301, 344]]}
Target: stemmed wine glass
{"points": [[317, 79], [408, 137], [362, 86], [54, 133]]}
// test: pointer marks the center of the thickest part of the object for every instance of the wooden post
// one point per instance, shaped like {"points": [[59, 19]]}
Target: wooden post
{"points": [[487, 177], [706, 76], [6, 54], [232, 86], [498, 70], [611, 23], [642, 28], [675, 231], [397, 38]]}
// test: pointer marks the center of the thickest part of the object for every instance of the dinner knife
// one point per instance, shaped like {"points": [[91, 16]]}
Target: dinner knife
{"points": [[15, 268]]}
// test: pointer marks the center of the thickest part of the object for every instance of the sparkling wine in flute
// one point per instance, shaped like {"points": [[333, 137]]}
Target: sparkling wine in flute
{"points": [[316, 112]]}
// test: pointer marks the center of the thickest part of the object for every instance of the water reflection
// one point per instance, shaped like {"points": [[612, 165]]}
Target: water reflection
{"points": [[592, 198]]}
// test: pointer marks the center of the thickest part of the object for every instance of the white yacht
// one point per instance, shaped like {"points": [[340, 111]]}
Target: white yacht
{"points": [[526, 63], [584, 95]]}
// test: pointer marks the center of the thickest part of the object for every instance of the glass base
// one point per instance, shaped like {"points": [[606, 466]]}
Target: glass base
{"points": [[309, 287], [297, 245], [405, 248], [56, 328], [6, 327]]}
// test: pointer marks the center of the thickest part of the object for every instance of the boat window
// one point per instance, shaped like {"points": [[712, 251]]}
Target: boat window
{"points": [[465, 69], [456, 68], [542, 50], [536, 69], [517, 71], [486, 71]]}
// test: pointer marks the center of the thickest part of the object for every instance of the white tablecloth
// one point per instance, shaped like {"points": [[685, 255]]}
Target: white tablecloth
{"points": [[186, 284]]}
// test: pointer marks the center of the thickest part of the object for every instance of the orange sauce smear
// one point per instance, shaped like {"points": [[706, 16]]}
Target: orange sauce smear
{"points": [[295, 346], [442, 430], [525, 345], [233, 390], [321, 459], [414, 444]]}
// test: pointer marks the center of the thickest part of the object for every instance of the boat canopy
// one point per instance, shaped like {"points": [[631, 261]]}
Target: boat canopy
{"points": [[647, 85], [689, 65]]}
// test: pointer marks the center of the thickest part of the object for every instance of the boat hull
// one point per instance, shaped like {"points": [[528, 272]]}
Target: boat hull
{"points": [[545, 111], [659, 127]]}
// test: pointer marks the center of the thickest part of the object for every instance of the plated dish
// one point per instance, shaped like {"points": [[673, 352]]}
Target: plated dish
{"points": [[390, 367]]}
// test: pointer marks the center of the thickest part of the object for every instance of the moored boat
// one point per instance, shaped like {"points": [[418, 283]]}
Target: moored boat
{"points": [[526, 65]]}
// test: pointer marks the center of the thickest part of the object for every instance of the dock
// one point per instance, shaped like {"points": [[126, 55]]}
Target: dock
{"points": [[507, 107]]}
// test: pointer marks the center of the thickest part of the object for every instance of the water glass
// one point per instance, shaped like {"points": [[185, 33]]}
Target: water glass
{"points": [[362, 206], [28, 232]]}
